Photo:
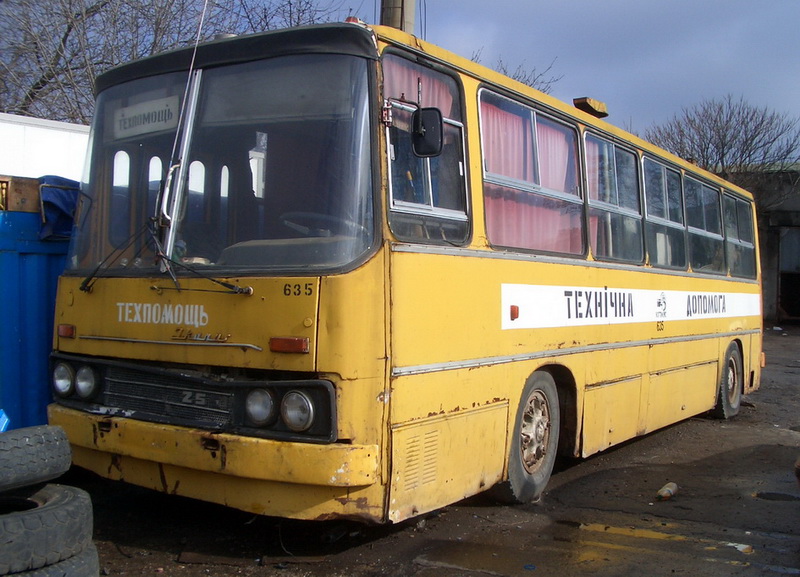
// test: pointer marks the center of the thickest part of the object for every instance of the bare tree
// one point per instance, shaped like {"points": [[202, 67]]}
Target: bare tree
{"points": [[261, 15], [542, 80], [753, 147], [51, 51]]}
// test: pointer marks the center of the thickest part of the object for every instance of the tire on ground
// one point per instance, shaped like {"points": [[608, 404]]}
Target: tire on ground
{"points": [[42, 526], [33, 455], [729, 386], [534, 444], [84, 564]]}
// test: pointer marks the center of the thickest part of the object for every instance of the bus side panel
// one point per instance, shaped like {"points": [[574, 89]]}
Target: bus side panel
{"points": [[752, 348], [672, 400], [683, 381], [611, 414], [352, 345], [446, 458]]}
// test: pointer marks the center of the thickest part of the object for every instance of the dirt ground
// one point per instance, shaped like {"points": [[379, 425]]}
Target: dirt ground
{"points": [[737, 509]]}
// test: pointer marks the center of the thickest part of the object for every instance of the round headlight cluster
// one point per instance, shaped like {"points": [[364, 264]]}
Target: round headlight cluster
{"points": [[86, 382], [63, 380], [260, 407], [66, 382], [296, 409]]}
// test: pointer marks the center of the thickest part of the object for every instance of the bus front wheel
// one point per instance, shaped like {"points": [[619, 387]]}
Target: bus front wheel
{"points": [[534, 444], [729, 390]]}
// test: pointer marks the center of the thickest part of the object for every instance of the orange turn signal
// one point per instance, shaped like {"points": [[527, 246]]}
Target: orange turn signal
{"points": [[66, 331], [289, 344]]}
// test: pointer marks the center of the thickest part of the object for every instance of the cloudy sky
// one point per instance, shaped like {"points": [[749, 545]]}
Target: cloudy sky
{"points": [[646, 59]]}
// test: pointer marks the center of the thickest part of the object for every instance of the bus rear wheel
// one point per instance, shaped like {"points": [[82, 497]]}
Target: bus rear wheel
{"points": [[535, 442], [729, 390]]}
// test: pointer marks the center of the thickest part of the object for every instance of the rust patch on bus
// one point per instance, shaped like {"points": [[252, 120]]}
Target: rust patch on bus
{"points": [[115, 463], [163, 477]]}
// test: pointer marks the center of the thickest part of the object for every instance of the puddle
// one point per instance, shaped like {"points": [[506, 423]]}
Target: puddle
{"points": [[479, 558]]}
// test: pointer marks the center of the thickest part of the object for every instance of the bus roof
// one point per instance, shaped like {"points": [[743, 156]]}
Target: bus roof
{"points": [[347, 39], [358, 39]]}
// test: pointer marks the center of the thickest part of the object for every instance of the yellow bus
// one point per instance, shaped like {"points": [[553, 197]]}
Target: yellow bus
{"points": [[338, 272]]}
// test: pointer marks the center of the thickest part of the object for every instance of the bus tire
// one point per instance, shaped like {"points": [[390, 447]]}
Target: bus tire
{"points": [[729, 389], [42, 526], [534, 444], [33, 455], [84, 564]]}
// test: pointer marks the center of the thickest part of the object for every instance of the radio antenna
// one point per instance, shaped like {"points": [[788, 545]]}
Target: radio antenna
{"points": [[163, 220]]}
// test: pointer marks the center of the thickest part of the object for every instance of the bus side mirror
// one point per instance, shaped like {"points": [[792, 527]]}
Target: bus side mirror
{"points": [[426, 136]]}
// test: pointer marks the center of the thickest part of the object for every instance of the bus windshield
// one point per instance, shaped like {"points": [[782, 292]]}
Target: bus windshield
{"points": [[270, 170]]}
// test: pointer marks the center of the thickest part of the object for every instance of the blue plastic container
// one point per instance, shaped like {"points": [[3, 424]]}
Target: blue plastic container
{"points": [[32, 256]]}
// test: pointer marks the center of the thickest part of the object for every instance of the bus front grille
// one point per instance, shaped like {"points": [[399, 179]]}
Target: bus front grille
{"points": [[166, 398]]}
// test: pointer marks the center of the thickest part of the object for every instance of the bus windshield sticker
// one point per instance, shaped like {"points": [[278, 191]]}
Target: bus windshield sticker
{"points": [[146, 117]]}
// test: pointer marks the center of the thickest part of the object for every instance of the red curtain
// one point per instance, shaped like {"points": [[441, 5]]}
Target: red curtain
{"points": [[507, 143], [557, 164], [519, 218], [402, 80]]}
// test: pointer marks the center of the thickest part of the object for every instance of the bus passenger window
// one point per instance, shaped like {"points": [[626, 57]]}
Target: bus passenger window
{"points": [[739, 248], [665, 235], [408, 170], [615, 222], [428, 195], [447, 173], [531, 192], [706, 249]]}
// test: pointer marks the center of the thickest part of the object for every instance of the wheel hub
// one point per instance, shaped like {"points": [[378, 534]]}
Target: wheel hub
{"points": [[535, 431]]}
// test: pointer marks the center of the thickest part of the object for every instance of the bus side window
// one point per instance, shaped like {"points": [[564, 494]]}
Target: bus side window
{"points": [[665, 234], [428, 195], [615, 222], [706, 247], [739, 248], [531, 192]]}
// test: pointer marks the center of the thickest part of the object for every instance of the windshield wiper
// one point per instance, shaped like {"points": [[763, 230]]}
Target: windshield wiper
{"points": [[113, 256], [167, 262], [232, 288]]}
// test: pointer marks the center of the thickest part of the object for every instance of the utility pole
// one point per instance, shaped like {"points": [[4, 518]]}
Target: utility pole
{"points": [[398, 14]]}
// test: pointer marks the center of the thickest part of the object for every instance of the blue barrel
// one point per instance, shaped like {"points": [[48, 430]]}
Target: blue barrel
{"points": [[33, 249]]}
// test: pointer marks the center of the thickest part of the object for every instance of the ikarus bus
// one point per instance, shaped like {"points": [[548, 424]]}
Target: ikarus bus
{"points": [[336, 271]]}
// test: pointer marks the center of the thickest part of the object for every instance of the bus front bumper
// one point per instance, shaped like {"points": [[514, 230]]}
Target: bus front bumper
{"points": [[333, 465]]}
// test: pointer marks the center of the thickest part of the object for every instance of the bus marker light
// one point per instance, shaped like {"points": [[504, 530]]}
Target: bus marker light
{"points": [[66, 331], [514, 312], [289, 344]]}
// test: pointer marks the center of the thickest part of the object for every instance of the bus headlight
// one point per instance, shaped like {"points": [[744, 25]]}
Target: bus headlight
{"points": [[86, 382], [63, 380], [260, 407], [297, 411]]}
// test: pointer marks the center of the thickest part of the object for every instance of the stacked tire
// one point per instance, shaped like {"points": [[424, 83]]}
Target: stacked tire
{"points": [[45, 528]]}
